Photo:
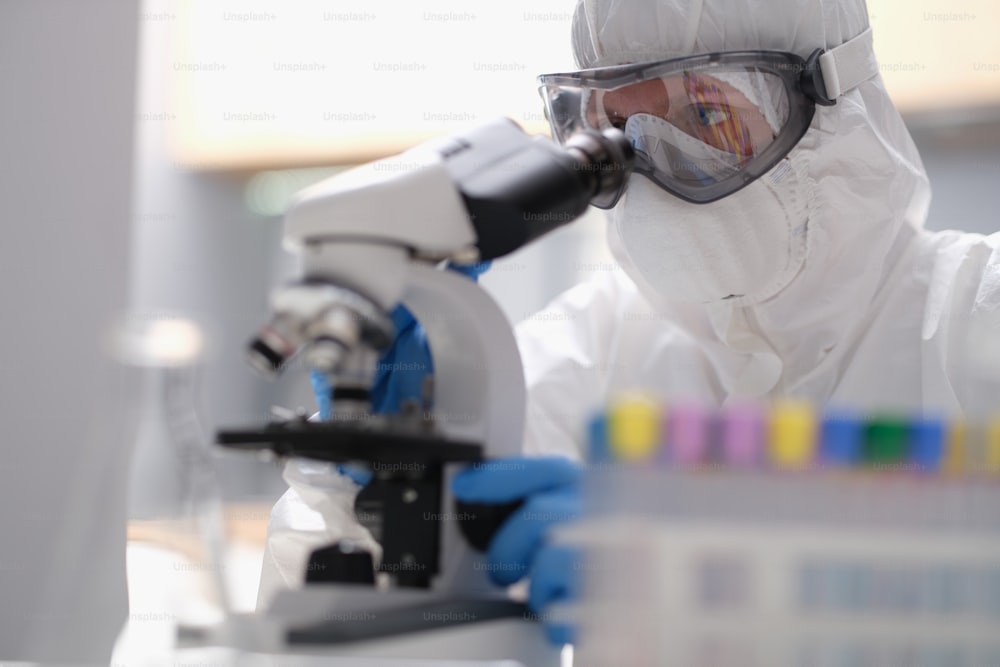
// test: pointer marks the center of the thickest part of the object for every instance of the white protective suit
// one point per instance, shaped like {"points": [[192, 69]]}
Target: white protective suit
{"points": [[879, 314]]}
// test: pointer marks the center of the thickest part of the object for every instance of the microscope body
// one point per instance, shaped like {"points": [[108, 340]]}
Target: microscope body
{"points": [[370, 239]]}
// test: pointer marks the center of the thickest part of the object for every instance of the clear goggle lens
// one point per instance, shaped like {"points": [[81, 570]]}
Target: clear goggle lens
{"points": [[699, 133]]}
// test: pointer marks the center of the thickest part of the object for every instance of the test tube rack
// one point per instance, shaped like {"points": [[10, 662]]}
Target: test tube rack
{"points": [[786, 536]]}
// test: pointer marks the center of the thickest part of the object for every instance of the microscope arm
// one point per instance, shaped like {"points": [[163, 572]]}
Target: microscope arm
{"points": [[471, 197]]}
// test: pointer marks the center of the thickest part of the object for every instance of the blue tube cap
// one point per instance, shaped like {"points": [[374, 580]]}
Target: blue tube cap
{"points": [[598, 451], [842, 437], [927, 444]]}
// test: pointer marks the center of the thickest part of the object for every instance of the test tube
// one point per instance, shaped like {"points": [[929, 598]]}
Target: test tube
{"points": [[842, 437], [993, 447], [927, 444], [598, 451], [792, 435], [688, 434], [885, 443], [743, 436], [634, 429]]}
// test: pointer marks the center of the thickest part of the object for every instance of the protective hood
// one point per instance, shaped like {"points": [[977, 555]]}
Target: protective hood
{"points": [[869, 189]]}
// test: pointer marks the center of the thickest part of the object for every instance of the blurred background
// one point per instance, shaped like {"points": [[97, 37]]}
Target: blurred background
{"points": [[218, 111]]}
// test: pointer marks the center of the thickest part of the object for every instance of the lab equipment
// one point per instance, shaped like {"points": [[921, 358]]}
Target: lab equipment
{"points": [[401, 374], [369, 240], [401, 380], [780, 535], [793, 435], [403, 369]]}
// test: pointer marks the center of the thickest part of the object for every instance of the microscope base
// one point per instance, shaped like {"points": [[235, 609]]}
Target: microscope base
{"points": [[353, 621], [507, 641]]}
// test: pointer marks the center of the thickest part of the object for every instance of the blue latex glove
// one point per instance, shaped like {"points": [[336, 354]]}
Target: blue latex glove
{"points": [[401, 370], [550, 488], [472, 271], [403, 367]]}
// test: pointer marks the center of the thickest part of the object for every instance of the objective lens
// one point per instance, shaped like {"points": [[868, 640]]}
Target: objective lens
{"points": [[273, 346]]}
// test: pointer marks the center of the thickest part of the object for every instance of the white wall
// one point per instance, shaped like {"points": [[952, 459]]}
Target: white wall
{"points": [[67, 73], [963, 162], [199, 253]]}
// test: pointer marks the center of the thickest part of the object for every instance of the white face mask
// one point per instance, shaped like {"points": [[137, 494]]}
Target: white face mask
{"points": [[744, 248]]}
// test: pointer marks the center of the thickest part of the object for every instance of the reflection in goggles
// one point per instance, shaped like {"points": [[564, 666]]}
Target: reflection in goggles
{"points": [[728, 131], [707, 108]]}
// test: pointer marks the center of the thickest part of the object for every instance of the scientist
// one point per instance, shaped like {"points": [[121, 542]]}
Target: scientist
{"points": [[772, 245]]}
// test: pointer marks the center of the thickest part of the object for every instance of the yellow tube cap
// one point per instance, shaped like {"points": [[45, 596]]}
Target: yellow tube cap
{"points": [[954, 461], [993, 447], [793, 435], [634, 428]]}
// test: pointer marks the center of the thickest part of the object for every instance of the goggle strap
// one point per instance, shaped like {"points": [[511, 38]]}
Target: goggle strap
{"points": [[847, 66]]}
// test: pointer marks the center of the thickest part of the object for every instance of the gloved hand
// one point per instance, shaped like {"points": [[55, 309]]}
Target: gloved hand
{"points": [[550, 488]]}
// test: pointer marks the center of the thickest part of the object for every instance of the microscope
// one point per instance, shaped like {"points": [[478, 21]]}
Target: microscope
{"points": [[370, 239]]}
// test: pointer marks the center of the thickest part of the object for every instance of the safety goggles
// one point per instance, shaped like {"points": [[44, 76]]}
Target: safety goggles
{"points": [[706, 126]]}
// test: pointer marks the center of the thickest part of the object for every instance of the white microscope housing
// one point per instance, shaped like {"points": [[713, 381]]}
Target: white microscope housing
{"points": [[371, 239]]}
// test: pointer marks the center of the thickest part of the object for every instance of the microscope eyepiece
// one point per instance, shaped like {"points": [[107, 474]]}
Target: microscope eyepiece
{"points": [[608, 157], [517, 187]]}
